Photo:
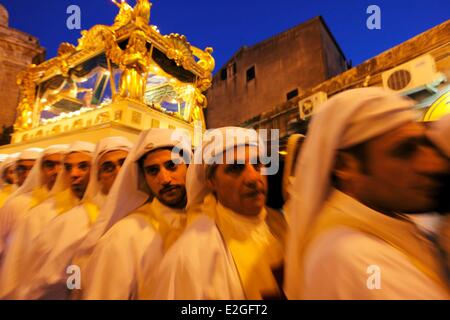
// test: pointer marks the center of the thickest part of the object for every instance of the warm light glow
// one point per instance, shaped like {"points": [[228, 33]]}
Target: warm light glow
{"points": [[439, 108], [155, 28], [190, 89]]}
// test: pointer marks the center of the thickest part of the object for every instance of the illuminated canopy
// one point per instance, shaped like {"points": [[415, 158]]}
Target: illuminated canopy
{"points": [[128, 61]]}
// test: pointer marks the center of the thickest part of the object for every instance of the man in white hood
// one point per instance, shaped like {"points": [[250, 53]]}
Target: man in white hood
{"points": [[57, 243], [22, 162], [365, 164], [144, 213], [25, 163], [67, 192], [34, 191], [7, 178], [234, 246]]}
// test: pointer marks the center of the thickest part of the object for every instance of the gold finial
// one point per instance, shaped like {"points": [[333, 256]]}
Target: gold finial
{"points": [[142, 12], [124, 16]]}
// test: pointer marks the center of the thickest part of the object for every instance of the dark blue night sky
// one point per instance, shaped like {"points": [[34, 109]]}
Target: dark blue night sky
{"points": [[228, 25]]}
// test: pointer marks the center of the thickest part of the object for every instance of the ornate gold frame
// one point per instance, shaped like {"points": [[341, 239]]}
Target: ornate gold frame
{"points": [[135, 61]]}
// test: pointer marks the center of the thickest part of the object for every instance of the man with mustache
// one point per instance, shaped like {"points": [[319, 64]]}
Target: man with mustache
{"points": [[234, 244], [32, 193], [365, 166], [67, 193], [143, 215], [57, 243]]}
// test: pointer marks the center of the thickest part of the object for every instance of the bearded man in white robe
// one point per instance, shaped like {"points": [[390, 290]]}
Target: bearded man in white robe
{"points": [[143, 216]]}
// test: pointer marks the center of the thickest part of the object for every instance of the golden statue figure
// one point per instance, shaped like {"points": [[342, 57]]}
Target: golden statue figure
{"points": [[134, 61], [142, 12], [24, 114], [25, 109]]}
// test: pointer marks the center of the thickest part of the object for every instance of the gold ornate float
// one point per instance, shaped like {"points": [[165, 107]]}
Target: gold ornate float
{"points": [[127, 76]]}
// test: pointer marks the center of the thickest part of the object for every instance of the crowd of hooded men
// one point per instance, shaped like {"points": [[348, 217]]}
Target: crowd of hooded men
{"points": [[365, 194]]}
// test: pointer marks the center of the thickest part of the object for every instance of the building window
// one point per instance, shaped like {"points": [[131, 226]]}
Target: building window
{"points": [[251, 74], [292, 94], [234, 68], [223, 74]]}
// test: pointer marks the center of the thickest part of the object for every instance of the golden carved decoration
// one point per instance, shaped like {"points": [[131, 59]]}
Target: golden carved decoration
{"points": [[206, 61], [142, 12], [179, 50], [24, 118], [94, 38], [125, 15], [66, 48]]}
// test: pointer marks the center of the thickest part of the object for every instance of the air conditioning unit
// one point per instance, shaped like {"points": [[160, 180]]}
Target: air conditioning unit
{"points": [[308, 105], [416, 75]]}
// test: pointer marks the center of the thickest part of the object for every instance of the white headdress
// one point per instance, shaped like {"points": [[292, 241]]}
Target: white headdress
{"points": [[34, 179], [104, 146], [62, 182], [30, 154], [8, 162], [214, 143]]}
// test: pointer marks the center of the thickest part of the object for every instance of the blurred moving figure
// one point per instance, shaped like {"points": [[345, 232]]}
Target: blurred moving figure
{"points": [[33, 192], [439, 134], [25, 163], [365, 163], [51, 253], [67, 193], [7, 178]]}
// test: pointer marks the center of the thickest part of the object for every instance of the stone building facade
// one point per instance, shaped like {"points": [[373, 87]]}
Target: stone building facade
{"points": [[17, 51], [272, 72]]}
